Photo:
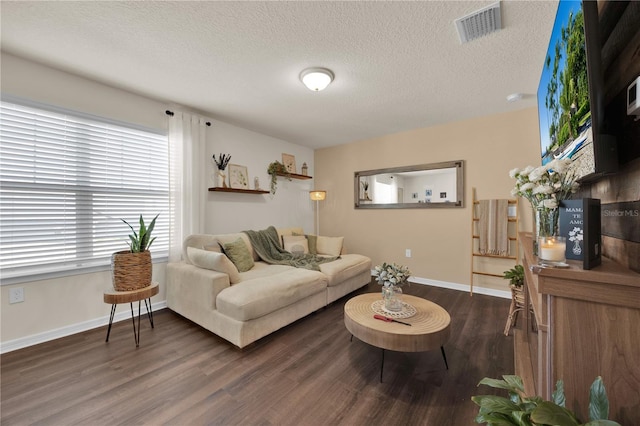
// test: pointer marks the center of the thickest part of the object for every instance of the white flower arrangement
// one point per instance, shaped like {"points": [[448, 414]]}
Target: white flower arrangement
{"points": [[546, 185], [390, 275]]}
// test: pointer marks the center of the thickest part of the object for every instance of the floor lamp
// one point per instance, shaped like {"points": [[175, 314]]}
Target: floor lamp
{"points": [[318, 196]]}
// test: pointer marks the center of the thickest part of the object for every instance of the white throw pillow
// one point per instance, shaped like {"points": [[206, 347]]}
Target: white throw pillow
{"points": [[215, 261], [331, 246], [296, 244]]}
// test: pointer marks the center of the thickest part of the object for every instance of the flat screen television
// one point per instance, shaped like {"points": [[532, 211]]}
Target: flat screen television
{"points": [[570, 94]]}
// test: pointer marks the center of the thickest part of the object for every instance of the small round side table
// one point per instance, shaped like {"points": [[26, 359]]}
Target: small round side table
{"points": [[114, 297]]}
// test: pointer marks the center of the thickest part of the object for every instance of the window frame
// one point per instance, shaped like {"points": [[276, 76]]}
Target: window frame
{"points": [[80, 264]]}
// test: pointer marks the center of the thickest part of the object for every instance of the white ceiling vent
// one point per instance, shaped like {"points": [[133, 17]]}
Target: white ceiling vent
{"points": [[479, 23]]}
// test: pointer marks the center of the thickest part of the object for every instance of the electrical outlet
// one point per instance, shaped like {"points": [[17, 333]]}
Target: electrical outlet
{"points": [[407, 253], [16, 295]]}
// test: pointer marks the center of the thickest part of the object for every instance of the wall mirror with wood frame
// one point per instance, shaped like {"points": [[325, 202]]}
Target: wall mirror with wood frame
{"points": [[423, 186]]}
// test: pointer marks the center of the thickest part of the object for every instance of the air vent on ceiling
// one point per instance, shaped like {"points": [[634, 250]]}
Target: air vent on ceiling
{"points": [[479, 23]]}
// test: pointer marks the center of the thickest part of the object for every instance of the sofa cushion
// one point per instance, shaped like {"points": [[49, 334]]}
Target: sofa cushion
{"points": [[229, 238], [215, 261], [295, 244], [347, 266], [312, 241], [239, 254], [288, 231], [331, 246], [212, 243], [265, 294]]}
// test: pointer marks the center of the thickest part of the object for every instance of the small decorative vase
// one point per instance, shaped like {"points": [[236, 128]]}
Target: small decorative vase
{"points": [[392, 298], [222, 179], [546, 225], [577, 250]]}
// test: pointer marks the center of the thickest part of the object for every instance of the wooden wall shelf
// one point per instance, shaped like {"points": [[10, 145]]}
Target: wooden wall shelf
{"points": [[240, 191], [294, 176]]}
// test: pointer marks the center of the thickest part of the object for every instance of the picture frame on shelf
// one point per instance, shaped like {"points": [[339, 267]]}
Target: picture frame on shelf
{"points": [[289, 162], [580, 224], [238, 177]]}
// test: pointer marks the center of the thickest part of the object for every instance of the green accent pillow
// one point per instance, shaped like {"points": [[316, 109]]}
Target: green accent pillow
{"points": [[239, 254], [312, 239], [215, 261]]}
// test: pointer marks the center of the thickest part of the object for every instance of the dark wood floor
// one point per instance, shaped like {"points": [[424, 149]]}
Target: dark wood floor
{"points": [[308, 373]]}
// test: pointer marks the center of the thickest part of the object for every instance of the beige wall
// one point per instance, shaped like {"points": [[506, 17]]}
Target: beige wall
{"points": [[439, 238]]}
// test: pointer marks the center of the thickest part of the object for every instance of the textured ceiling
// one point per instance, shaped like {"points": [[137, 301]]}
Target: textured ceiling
{"points": [[398, 65]]}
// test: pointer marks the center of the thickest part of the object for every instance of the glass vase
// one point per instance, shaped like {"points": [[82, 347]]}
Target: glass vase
{"points": [[392, 296], [546, 225]]}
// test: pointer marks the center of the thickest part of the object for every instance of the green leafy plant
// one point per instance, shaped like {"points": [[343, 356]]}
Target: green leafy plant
{"points": [[519, 410], [515, 276], [277, 168], [141, 240]]}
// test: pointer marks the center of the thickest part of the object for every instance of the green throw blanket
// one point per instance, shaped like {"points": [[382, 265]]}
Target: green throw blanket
{"points": [[267, 244]]}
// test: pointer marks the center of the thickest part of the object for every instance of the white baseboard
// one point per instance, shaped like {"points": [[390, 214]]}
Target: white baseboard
{"points": [[35, 339], [463, 287], [504, 294]]}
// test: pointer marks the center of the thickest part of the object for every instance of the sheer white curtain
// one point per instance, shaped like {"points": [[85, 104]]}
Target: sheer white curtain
{"points": [[187, 178]]}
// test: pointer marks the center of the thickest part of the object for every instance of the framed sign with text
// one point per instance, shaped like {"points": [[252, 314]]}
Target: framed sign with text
{"points": [[580, 224]]}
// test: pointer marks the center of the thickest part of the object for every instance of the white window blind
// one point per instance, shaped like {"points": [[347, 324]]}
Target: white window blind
{"points": [[66, 181]]}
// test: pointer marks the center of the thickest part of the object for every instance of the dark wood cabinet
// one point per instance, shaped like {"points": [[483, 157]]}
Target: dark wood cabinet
{"points": [[583, 324]]}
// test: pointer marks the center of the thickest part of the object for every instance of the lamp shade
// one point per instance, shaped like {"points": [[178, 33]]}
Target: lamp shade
{"points": [[316, 79], [318, 195]]}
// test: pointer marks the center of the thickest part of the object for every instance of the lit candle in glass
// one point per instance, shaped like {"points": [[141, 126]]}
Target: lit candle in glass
{"points": [[552, 249]]}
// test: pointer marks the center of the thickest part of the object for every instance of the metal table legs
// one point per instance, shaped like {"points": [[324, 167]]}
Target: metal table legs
{"points": [[444, 356], [136, 331]]}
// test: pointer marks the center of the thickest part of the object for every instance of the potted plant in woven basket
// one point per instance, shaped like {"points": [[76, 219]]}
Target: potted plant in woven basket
{"points": [[131, 269], [515, 276]]}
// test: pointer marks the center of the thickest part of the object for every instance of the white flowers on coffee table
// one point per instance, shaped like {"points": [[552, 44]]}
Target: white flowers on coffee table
{"points": [[390, 275]]}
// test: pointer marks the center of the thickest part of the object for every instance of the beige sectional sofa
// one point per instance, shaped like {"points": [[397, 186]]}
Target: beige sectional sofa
{"points": [[242, 307]]}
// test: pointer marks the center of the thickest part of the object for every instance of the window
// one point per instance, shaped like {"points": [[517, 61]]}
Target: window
{"points": [[66, 181]]}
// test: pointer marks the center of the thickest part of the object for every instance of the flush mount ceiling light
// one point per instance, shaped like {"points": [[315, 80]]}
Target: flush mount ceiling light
{"points": [[515, 97], [316, 79]]}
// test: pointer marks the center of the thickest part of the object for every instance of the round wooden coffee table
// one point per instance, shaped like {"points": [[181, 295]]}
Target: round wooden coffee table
{"points": [[429, 327]]}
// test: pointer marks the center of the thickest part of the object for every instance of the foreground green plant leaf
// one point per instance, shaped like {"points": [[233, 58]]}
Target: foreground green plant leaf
{"points": [[548, 413], [521, 410], [598, 401], [558, 394], [515, 382], [602, 423], [495, 404], [494, 419]]}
